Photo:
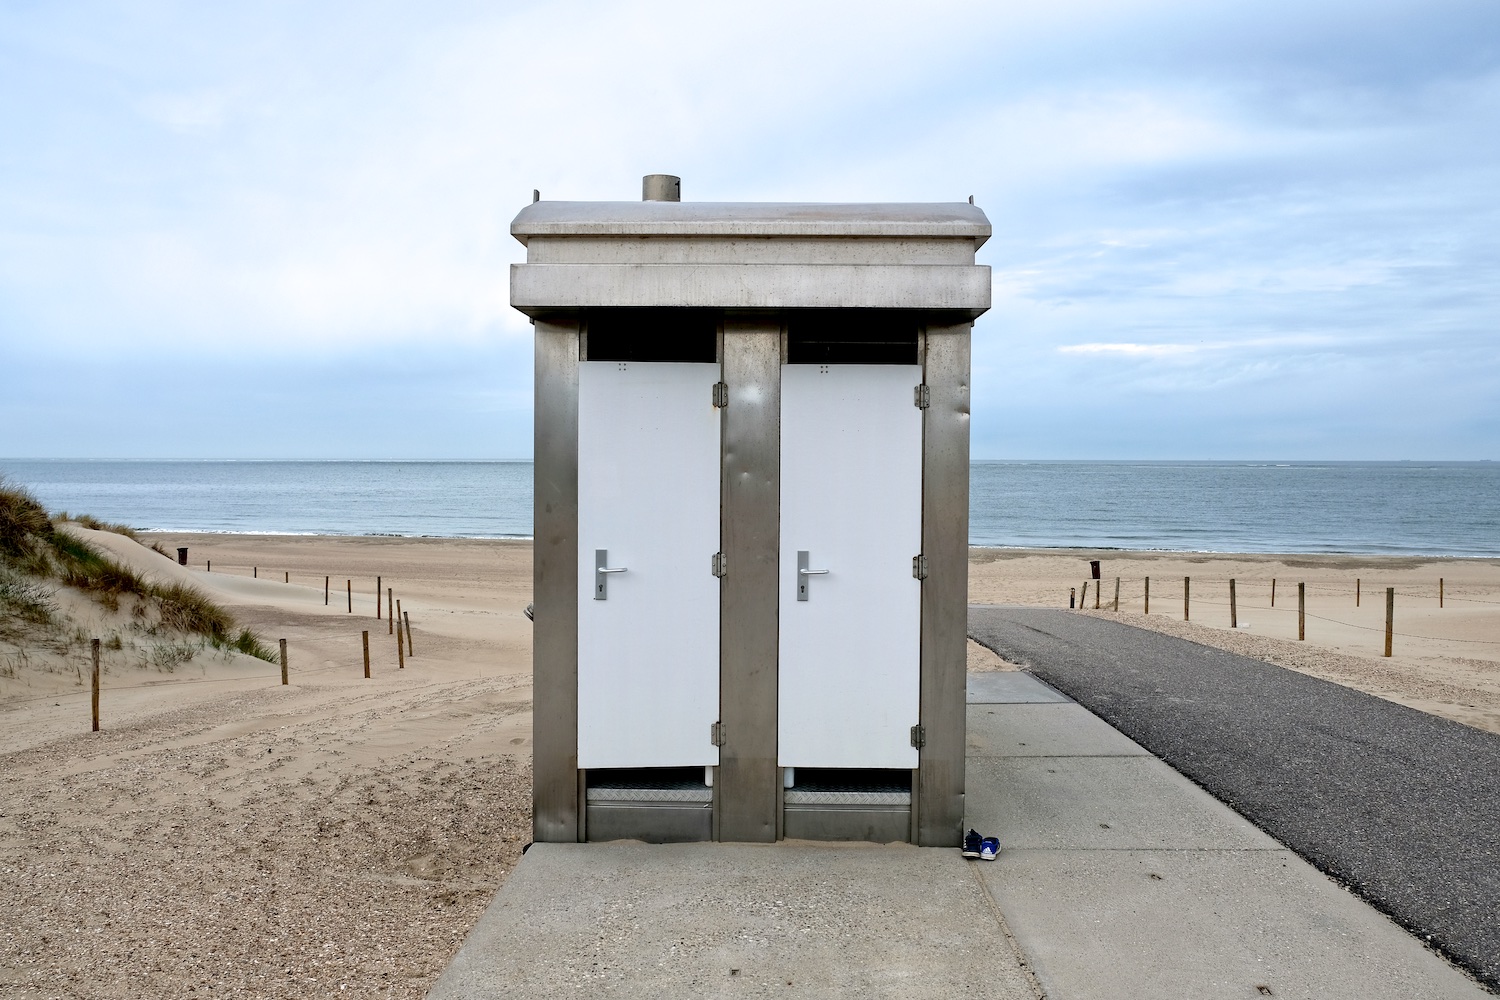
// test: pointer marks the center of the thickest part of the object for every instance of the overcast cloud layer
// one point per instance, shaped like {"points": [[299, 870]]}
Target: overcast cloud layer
{"points": [[1221, 230]]}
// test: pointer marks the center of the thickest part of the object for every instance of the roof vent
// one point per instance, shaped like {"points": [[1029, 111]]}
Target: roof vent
{"points": [[661, 187]]}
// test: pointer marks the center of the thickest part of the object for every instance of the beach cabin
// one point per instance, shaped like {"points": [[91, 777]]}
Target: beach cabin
{"points": [[752, 474]]}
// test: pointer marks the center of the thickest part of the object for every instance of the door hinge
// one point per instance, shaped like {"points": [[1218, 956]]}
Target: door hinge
{"points": [[720, 564], [922, 397], [919, 567], [716, 734], [919, 736], [721, 394]]}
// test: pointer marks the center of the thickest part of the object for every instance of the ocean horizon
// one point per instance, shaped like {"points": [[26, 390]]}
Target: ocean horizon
{"points": [[1362, 508]]}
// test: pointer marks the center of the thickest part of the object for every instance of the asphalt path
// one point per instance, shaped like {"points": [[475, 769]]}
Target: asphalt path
{"points": [[1400, 806]]}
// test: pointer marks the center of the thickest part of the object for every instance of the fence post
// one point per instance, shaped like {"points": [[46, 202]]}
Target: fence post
{"points": [[325, 591], [96, 685], [1440, 591], [1148, 595], [1117, 593], [255, 572], [365, 638], [1098, 592], [283, 661], [390, 611], [1084, 598], [1301, 612], [1356, 591], [349, 584], [1072, 597], [406, 619], [377, 598], [400, 645], [1273, 592], [288, 576], [1390, 617], [1187, 583], [1234, 613]]}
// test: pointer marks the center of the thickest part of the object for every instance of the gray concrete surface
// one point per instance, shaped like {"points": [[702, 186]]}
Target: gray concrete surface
{"points": [[1118, 879], [1010, 687], [1401, 806], [737, 920]]}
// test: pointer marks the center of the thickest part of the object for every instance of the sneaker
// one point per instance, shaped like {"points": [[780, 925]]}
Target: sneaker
{"points": [[989, 848], [972, 844]]}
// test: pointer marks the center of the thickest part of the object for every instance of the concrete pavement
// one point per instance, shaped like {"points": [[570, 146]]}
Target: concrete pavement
{"points": [[1118, 879], [1400, 805]]}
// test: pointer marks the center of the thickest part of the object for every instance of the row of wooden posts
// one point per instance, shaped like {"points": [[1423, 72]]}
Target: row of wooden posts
{"points": [[398, 624], [1234, 618]]}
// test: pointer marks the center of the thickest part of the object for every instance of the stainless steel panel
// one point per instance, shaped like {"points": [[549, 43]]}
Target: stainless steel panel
{"points": [[554, 658], [655, 823], [748, 781], [945, 543], [831, 822]]}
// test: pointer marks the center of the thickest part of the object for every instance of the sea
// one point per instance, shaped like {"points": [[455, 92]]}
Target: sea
{"points": [[1394, 508]]}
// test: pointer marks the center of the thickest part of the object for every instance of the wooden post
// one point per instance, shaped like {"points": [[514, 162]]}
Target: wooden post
{"points": [[1301, 612], [255, 572], [1273, 592], [1440, 594], [1117, 593], [1390, 617], [210, 566], [1234, 612], [400, 645], [288, 576], [397, 606], [1187, 584], [1098, 592], [96, 685], [1148, 595], [325, 591], [377, 598], [283, 661], [390, 608], [349, 584], [406, 619], [1356, 591], [365, 637], [1085, 598], [1072, 597]]}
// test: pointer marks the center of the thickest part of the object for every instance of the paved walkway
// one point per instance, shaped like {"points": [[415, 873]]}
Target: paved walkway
{"points": [[1119, 879], [1402, 806]]}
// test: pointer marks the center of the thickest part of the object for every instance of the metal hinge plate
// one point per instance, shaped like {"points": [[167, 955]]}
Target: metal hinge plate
{"points": [[716, 734], [922, 397], [721, 395], [918, 736], [919, 567], [720, 565]]}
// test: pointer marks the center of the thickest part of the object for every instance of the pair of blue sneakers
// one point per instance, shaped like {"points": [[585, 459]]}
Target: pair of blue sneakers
{"points": [[983, 848]]}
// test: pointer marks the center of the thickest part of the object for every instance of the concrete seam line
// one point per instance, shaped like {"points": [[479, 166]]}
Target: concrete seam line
{"points": [[1015, 946]]}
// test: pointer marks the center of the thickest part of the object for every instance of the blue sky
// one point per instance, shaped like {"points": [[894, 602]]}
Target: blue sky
{"points": [[281, 230]]}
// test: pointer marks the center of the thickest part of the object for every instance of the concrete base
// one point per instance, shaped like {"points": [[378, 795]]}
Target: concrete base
{"points": [[736, 920], [1118, 879]]}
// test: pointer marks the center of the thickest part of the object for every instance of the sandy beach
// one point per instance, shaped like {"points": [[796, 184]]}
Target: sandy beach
{"points": [[225, 835]]}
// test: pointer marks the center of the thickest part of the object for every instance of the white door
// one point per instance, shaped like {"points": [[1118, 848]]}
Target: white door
{"points": [[851, 500], [648, 500]]}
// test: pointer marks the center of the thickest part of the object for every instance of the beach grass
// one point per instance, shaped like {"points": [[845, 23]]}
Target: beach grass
{"points": [[33, 552]]}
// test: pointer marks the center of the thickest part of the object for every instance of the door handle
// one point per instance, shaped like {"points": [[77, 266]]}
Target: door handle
{"points": [[602, 569], [803, 573]]}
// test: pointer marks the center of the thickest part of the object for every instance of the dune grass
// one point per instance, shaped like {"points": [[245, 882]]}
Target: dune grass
{"points": [[33, 550]]}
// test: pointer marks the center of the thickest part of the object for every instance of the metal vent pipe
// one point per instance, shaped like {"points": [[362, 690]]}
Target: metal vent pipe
{"points": [[661, 187]]}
